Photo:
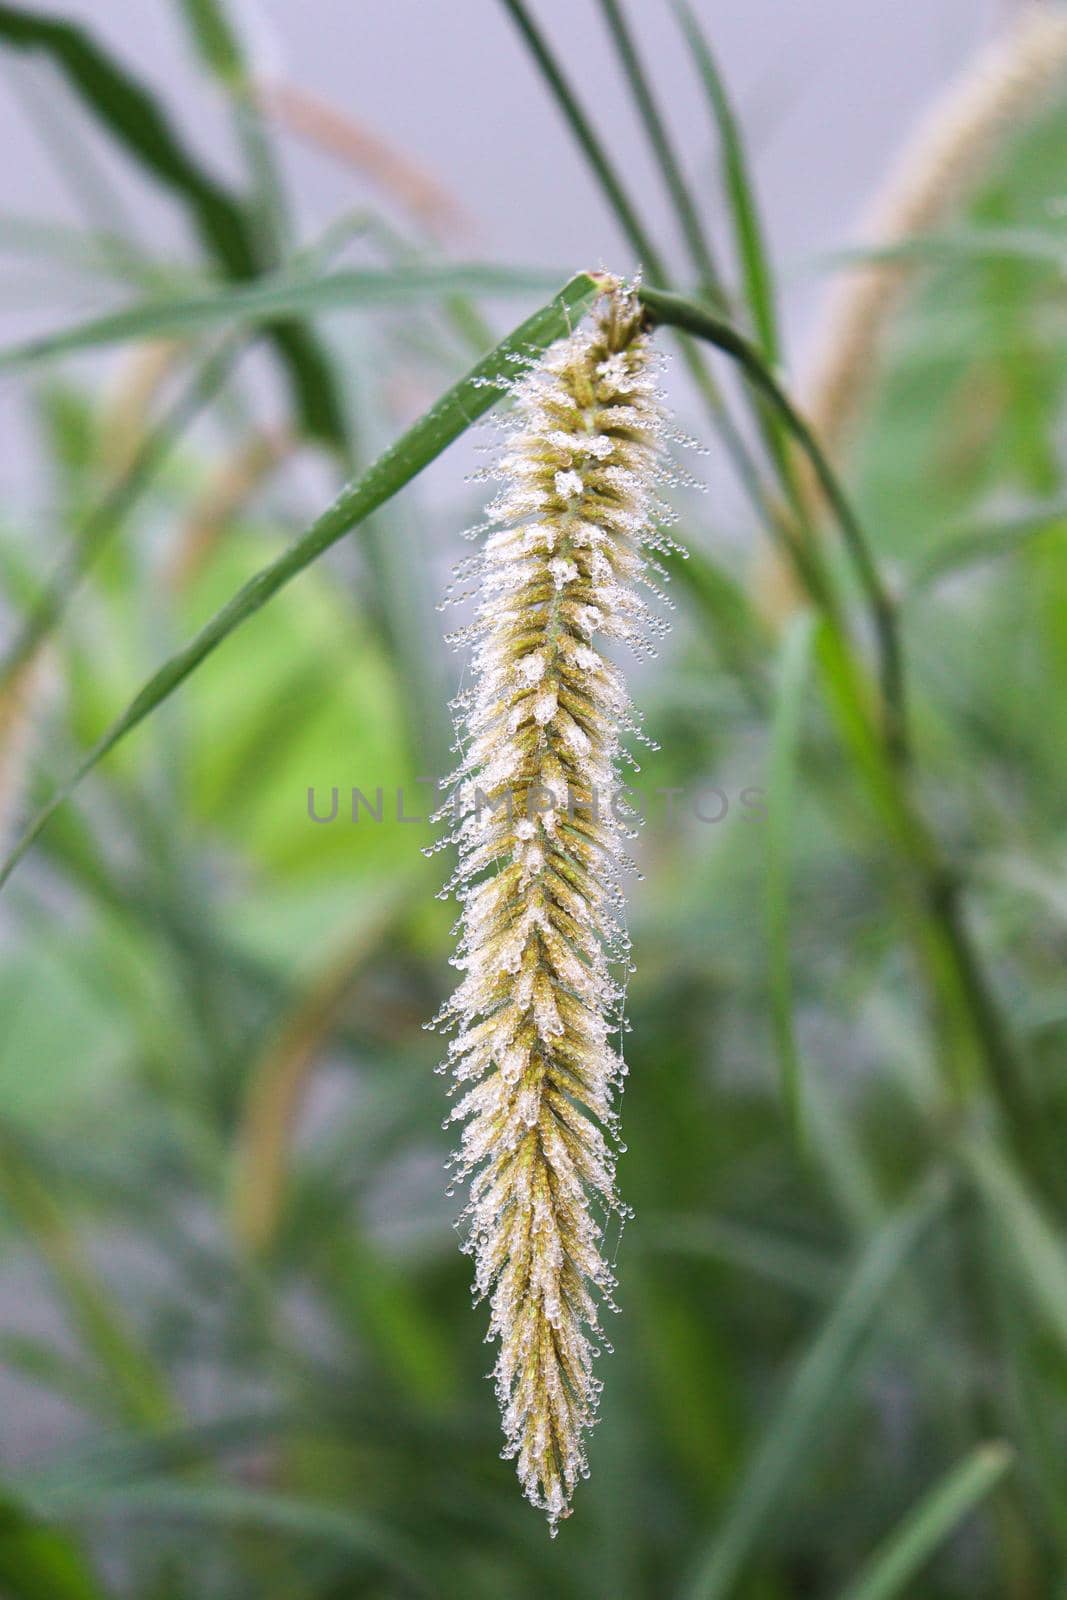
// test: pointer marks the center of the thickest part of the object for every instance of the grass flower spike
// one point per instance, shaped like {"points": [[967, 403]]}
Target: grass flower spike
{"points": [[541, 835]]}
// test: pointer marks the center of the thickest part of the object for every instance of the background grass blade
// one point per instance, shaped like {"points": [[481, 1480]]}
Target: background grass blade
{"points": [[95, 532], [991, 243], [38, 1562], [90, 252], [130, 114], [773, 1256], [278, 1079], [963, 550], [933, 1520], [594, 150], [803, 1417], [678, 311], [139, 1388], [753, 259], [663, 150], [781, 805], [215, 39], [1037, 1253], [230, 1505], [271, 298], [451, 416]]}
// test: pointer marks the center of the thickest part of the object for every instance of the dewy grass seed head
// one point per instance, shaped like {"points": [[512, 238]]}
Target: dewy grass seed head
{"points": [[572, 539]]}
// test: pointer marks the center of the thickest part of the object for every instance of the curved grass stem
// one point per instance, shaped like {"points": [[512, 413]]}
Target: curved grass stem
{"points": [[677, 311]]}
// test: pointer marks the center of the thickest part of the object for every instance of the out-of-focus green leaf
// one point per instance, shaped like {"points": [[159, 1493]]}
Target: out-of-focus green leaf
{"points": [[752, 255], [102, 254], [936, 1517], [105, 519], [804, 1414], [215, 39], [39, 1563], [1037, 1252], [451, 416], [278, 725], [55, 1017], [673, 177], [40, 1363], [263, 302], [230, 1506], [140, 1389], [781, 824], [131, 115], [967, 244], [754, 1249], [592, 146], [979, 545]]}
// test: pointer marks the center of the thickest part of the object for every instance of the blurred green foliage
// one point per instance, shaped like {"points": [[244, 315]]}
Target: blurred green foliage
{"points": [[239, 1358]]}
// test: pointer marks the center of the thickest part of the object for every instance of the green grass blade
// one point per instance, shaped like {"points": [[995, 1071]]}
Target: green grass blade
{"points": [[97, 529], [781, 802], [684, 206], [753, 258], [1037, 246], [40, 1363], [603, 167], [133, 118], [1036, 1251], [229, 1506], [423, 442], [90, 252], [979, 545], [270, 298], [802, 1421], [648, 256], [215, 39], [758, 1250], [934, 1519], [139, 1388], [674, 310]]}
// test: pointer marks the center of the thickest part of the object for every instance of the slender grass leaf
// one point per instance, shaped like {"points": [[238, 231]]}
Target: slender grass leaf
{"points": [[462, 405], [781, 808], [1043, 247], [270, 298], [663, 150], [278, 1077], [40, 1363], [133, 118], [648, 256], [1037, 1252], [753, 258], [101, 524], [89, 251], [759, 1250], [802, 1422], [737, 632], [983, 544], [139, 1387], [678, 311], [591, 145], [850, 700], [893, 1567], [1035, 1424], [215, 39], [230, 1506]]}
